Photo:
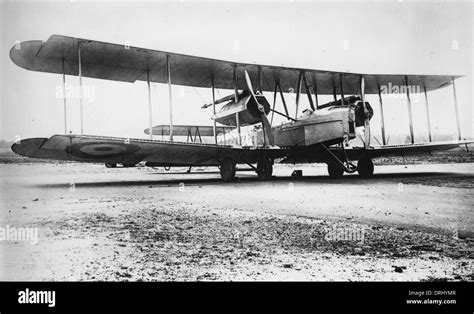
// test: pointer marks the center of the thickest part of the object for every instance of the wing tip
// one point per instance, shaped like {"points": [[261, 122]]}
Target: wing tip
{"points": [[27, 147], [20, 55]]}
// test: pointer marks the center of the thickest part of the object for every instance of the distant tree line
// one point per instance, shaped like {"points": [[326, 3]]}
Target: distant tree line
{"points": [[6, 144]]}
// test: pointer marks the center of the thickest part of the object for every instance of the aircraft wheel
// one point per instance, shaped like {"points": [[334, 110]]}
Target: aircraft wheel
{"points": [[128, 165], [265, 169], [365, 167], [227, 169], [335, 171], [110, 165]]}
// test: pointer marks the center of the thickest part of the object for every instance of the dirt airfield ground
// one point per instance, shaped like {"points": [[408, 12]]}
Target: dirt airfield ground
{"points": [[409, 222]]}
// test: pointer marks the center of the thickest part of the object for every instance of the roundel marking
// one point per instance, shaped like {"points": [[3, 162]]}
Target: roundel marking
{"points": [[102, 150]]}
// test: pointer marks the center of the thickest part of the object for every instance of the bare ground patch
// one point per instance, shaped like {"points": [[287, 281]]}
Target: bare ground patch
{"points": [[203, 244]]}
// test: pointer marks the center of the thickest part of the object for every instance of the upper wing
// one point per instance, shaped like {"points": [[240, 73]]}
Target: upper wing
{"points": [[129, 64], [101, 149]]}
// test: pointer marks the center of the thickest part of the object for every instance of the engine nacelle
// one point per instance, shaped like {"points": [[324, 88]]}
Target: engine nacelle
{"points": [[330, 126], [246, 108]]}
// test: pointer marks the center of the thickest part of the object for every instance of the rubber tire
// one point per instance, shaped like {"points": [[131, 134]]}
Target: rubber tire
{"points": [[227, 169], [265, 169], [365, 167], [335, 171], [110, 165]]}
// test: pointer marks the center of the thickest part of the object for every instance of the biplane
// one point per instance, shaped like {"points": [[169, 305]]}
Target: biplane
{"points": [[318, 134]]}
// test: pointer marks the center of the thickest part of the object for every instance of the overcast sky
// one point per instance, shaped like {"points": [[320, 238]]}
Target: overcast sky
{"points": [[399, 37]]}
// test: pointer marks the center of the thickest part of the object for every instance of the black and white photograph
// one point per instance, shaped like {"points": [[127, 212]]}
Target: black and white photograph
{"points": [[237, 141]]}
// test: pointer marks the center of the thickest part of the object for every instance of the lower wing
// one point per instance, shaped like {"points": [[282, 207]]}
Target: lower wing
{"points": [[100, 149], [317, 153], [403, 150]]}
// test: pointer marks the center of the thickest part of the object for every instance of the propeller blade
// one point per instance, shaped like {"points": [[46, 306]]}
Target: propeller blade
{"points": [[249, 85], [267, 128], [248, 81]]}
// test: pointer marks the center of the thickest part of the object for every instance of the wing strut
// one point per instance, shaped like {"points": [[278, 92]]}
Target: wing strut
{"points": [[382, 120], [274, 102], [236, 98], [427, 111], [64, 98], [259, 80], [214, 109], [334, 94], [298, 93], [456, 110], [283, 99], [412, 137], [342, 89], [366, 112], [308, 92], [170, 96], [150, 120], [315, 84], [80, 85], [283, 115]]}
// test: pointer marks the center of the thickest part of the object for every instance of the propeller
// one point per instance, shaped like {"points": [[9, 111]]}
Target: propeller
{"points": [[366, 113], [266, 123]]}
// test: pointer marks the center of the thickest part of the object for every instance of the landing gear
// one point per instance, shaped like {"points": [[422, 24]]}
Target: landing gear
{"points": [[114, 165], [265, 169], [337, 167], [227, 169], [365, 167], [129, 165], [335, 171]]}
